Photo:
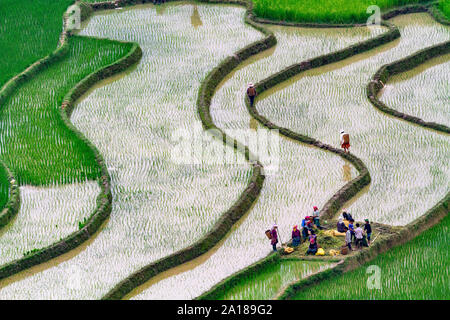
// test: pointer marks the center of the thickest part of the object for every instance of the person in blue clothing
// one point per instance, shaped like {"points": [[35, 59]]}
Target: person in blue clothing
{"points": [[305, 228], [352, 228]]}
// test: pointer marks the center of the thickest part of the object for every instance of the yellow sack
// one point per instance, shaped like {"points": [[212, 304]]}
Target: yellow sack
{"points": [[329, 233], [288, 250], [320, 252], [338, 234], [333, 252]]}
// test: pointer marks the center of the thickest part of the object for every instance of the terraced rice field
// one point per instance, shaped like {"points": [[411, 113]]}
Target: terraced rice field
{"points": [[418, 270], [37, 23], [158, 206], [422, 92], [306, 176], [320, 102], [56, 169], [161, 206], [267, 283], [47, 214]]}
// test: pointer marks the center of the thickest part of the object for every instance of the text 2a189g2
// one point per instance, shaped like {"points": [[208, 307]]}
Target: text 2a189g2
{"points": [[246, 309]]}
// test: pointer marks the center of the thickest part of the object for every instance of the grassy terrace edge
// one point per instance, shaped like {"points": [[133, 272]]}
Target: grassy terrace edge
{"points": [[206, 93], [12, 206], [349, 190], [407, 233], [247, 197], [104, 199], [433, 215], [388, 70]]}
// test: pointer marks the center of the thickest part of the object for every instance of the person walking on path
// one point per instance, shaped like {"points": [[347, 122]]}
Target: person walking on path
{"points": [[296, 237], [368, 230], [251, 92], [274, 239], [345, 141]]}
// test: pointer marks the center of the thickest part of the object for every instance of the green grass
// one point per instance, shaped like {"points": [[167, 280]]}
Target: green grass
{"points": [[417, 270], [4, 186], [34, 141], [444, 6], [266, 283], [322, 11], [29, 31]]}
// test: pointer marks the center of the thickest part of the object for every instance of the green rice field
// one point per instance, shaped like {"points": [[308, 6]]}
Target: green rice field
{"points": [[4, 186], [267, 283], [34, 141], [37, 23], [323, 11], [444, 6]]}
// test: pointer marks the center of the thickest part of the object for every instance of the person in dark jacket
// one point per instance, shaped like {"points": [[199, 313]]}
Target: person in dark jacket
{"points": [[251, 93], [305, 228], [368, 230], [296, 238], [274, 239], [341, 226], [312, 249]]}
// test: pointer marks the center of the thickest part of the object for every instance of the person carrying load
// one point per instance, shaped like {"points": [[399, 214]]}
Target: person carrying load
{"points": [[251, 93], [274, 237], [296, 237], [345, 140]]}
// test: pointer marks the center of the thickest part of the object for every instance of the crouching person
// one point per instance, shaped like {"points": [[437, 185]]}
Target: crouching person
{"points": [[312, 249]]}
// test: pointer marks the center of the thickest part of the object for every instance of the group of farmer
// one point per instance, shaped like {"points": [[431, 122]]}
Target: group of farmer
{"points": [[360, 235], [357, 234], [308, 226]]}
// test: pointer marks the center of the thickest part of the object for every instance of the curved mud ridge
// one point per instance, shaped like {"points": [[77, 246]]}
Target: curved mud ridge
{"points": [[383, 74], [353, 187], [206, 92], [104, 199]]}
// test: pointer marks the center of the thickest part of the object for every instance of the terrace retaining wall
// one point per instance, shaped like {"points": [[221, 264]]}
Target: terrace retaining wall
{"points": [[104, 200], [12, 206], [349, 190], [388, 70]]}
